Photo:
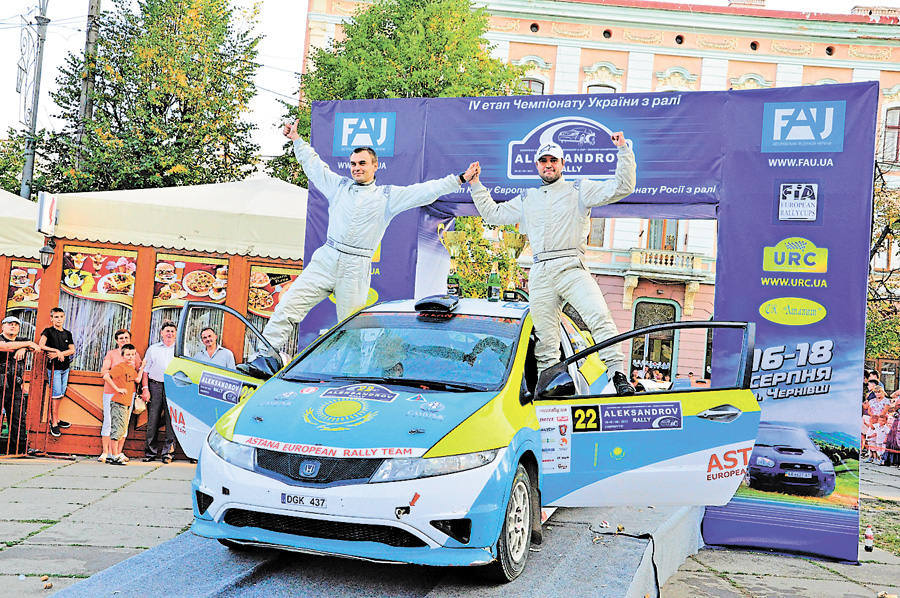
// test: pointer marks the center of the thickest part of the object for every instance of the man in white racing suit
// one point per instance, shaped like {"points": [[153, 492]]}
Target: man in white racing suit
{"points": [[358, 214], [556, 218]]}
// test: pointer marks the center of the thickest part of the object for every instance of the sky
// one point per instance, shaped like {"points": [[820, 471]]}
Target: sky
{"points": [[283, 24]]}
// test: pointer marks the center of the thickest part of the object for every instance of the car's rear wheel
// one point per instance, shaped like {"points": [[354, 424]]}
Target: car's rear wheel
{"points": [[515, 535]]}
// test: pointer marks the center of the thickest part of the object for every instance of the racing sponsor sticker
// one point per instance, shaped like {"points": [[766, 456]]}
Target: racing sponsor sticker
{"points": [[308, 390], [299, 500], [556, 449], [223, 388], [339, 414], [370, 392], [639, 416], [329, 451]]}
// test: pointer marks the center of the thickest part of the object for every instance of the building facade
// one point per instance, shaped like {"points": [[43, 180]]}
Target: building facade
{"points": [[654, 270]]}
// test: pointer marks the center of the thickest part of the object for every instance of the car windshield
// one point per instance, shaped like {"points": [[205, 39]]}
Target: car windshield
{"points": [[454, 352], [786, 437]]}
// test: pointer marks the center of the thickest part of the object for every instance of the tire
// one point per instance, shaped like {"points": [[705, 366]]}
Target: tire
{"points": [[514, 542]]}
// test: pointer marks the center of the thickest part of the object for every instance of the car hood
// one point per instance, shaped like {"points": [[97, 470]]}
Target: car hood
{"points": [[784, 454], [351, 419]]}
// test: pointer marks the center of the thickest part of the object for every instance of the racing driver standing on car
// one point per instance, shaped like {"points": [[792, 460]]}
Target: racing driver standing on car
{"points": [[556, 218], [358, 214]]}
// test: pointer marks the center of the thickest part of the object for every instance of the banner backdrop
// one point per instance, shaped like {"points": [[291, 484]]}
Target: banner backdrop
{"points": [[787, 172]]}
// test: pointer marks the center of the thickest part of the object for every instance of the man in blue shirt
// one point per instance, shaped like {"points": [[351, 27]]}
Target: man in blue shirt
{"points": [[214, 353]]}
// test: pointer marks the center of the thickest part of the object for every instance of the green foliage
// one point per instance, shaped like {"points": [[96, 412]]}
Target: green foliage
{"points": [[474, 265], [12, 159], [882, 330], [403, 49], [172, 82]]}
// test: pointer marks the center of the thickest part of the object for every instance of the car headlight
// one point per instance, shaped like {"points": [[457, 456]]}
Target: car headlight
{"points": [[393, 470], [826, 467], [231, 452], [764, 462]]}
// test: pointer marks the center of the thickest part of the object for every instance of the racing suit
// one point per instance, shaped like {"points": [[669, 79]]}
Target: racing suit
{"points": [[358, 215], [556, 218]]}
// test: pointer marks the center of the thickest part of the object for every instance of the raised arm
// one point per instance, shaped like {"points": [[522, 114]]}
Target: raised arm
{"points": [[422, 194], [494, 213], [600, 193], [319, 173]]}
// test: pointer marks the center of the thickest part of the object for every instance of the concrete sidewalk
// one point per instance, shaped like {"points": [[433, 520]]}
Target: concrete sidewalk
{"points": [[69, 519]]}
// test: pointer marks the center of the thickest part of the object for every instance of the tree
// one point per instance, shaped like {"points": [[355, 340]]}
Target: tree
{"points": [[882, 314], [12, 159], [474, 265], [402, 49], [172, 81]]}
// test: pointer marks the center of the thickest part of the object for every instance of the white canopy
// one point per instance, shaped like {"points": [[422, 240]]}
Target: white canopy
{"points": [[261, 217], [18, 218]]}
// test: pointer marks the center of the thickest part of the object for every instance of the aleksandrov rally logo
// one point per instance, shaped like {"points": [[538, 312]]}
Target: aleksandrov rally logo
{"points": [[589, 150]]}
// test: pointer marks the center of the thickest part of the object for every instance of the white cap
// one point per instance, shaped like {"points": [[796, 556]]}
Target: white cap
{"points": [[550, 149]]}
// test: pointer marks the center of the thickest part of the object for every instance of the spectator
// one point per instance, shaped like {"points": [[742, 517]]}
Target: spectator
{"points": [[867, 433], [872, 384], [214, 353], [881, 431], [60, 346], [121, 377], [879, 402], [892, 442], [159, 356], [12, 371], [113, 357]]}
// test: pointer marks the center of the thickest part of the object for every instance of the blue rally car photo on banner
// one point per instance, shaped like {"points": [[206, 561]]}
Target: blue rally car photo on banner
{"points": [[419, 432]]}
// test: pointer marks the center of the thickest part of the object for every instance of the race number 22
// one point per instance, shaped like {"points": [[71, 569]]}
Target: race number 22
{"points": [[586, 418]]}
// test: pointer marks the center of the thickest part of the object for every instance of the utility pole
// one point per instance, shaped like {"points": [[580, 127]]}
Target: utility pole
{"points": [[86, 105], [28, 169]]}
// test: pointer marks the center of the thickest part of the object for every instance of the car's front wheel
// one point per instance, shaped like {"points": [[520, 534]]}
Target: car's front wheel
{"points": [[515, 535]]}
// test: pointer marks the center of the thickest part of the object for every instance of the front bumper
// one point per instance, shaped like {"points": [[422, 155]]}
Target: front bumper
{"points": [[384, 522]]}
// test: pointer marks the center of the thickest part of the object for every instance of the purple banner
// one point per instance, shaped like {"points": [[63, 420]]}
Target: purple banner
{"points": [[794, 228]]}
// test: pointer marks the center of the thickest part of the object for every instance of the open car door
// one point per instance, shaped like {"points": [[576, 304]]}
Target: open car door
{"points": [[199, 393], [684, 441]]}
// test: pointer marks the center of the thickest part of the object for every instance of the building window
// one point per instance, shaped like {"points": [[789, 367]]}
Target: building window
{"points": [[663, 234], [601, 89], [654, 351], [534, 87], [598, 228], [892, 136]]}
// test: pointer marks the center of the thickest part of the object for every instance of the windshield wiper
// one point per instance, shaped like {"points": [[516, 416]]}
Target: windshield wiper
{"points": [[417, 383], [307, 378]]}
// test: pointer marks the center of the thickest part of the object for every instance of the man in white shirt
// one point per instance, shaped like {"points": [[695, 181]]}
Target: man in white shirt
{"points": [[359, 211], [158, 358], [214, 353]]}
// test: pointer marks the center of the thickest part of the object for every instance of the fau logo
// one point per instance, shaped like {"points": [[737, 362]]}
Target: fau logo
{"points": [[364, 129], [803, 127]]}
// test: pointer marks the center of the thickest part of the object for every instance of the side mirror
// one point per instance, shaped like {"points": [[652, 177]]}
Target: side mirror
{"points": [[261, 367], [555, 382]]}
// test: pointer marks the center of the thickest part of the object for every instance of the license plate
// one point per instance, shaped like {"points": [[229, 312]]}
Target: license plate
{"points": [[798, 474], [298, 500]]}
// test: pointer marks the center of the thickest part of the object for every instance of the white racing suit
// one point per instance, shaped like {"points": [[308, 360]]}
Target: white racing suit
{"points": [[358, 215], [556, 218]]}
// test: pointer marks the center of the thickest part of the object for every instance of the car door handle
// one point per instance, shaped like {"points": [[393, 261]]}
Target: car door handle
{"points": [[182, 379], [722, 414]]}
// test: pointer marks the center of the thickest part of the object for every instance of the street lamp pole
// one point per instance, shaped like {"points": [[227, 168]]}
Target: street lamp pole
{"points": [[28, 169]]}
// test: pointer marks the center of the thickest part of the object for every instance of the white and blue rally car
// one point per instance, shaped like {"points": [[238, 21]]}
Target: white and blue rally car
{"points": [[419, 432]]}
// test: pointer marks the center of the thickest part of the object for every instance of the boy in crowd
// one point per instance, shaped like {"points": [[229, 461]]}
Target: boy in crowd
{"points": [[60, 346], [121, 377], [12, 371]]}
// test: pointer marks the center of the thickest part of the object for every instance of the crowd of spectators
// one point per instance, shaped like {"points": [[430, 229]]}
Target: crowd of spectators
{"points": [[880, 422]]}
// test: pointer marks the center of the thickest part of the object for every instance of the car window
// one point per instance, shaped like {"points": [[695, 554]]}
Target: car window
{"points": [[463, 349], [789, 437]]}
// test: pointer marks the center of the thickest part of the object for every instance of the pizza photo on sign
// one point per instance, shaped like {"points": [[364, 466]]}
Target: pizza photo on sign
{"points": [[260, 299], [198, 282], [259, 279], [117, 283]]}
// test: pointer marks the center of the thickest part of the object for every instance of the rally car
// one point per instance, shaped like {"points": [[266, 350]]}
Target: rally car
{"points": [[419, 432], [786, 460]]}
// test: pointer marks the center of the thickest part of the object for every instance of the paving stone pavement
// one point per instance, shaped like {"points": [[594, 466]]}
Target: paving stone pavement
{"points": [[731, 573], [69, 519]]}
